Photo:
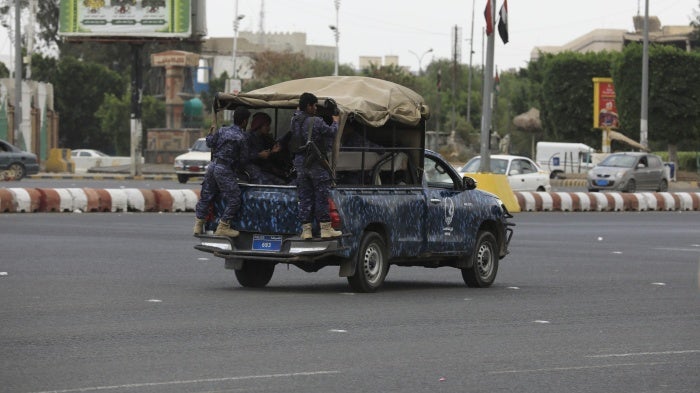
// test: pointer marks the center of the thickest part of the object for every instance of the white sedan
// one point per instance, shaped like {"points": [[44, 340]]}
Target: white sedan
{"points": [[523, 173], [87, 153]]}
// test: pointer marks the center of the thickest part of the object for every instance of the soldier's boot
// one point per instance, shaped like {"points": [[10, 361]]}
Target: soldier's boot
{"points": [[224, 229], [306, 233], [328, 231], [199, 225]]}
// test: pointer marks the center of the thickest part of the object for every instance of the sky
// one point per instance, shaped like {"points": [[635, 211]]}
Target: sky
{"points": [[397, 27], [410, 28]]}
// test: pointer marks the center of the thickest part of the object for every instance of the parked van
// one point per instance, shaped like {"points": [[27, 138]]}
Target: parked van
{"points": [[561, 158]]}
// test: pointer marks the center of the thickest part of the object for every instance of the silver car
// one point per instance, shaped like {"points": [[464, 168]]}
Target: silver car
{"points": [[629, 172]]}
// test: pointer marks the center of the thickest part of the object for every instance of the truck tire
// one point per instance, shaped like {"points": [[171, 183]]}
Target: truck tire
{"points": [[372, 264], [255, 274], [183, 178], [484, 267]]}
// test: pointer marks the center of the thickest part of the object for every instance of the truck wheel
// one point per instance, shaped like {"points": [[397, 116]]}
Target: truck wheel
{"points": [[556, 175], [372, 264], [255, 274], [182, 178], [663, 186], [484, 267], [18, 170]]}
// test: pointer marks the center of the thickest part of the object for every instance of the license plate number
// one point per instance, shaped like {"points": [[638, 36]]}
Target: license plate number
{"points": [[267, 243], [601, 182]]}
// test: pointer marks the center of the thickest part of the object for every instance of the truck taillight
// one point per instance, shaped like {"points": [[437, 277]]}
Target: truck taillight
{"points": [[333, 212]]}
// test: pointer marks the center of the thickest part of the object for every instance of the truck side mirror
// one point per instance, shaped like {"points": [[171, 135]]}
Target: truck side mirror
{"points": [[468, 183]]}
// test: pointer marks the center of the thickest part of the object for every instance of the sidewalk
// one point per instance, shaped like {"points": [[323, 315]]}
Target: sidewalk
{"points": [[119, 172]]}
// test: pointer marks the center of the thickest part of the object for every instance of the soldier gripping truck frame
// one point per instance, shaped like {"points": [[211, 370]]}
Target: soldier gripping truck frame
{"points": [[398, 205]]}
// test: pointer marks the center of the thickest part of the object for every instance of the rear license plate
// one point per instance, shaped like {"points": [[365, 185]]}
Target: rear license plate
{"points": [[267, 243], [601, 182]]}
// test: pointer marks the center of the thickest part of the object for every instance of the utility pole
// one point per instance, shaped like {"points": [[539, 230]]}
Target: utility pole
{"points": [[471, 55], [18, 76], [487, 96], [644, 120], [336, 32]]}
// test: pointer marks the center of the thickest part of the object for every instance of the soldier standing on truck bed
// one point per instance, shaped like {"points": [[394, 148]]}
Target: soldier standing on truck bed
{"points": [[313, 175], [229, 154]]}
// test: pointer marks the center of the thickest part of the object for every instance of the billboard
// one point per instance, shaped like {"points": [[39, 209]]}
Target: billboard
{"points": [[125, 18], [604, 107]]}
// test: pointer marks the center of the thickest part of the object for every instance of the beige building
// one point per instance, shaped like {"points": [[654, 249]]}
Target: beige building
{"points": [[614, 40], [218, 50]]}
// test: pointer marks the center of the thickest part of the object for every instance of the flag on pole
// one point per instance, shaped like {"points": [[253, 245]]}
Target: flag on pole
{"points": [[489, 18], [503, 22]]}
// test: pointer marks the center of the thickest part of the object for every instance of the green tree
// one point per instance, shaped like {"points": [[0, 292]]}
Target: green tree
{"points": [[674, 94], [4, 72], [115, 114], [567, 95], [79, 90]]}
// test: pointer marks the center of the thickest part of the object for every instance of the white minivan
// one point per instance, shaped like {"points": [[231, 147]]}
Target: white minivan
{"points": [[560, 158]]}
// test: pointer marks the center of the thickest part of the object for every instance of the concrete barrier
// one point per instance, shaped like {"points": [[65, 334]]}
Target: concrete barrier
{"points": [[184, 200], [607, 201], [27, 199], [8, 204]]}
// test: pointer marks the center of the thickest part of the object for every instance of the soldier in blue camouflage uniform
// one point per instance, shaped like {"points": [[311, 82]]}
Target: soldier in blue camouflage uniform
{"points": [[229, 153], [313, 177], [262, 148]]}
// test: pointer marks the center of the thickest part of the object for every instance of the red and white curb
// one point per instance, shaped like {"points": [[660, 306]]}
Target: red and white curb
{"points": [[30, 200], [607, 201]]}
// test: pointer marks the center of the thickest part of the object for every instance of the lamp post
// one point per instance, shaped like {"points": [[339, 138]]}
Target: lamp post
{"points": [[336, 33], [420, 59], [236, 21]]}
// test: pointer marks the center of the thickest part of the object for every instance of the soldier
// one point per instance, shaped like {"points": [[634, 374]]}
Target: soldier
{"points": [[313, 173], [262, 148], [229, 153]]}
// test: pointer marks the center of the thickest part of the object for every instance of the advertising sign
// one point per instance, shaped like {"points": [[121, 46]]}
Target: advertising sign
{"points": [[125, 18], [604, 108]]}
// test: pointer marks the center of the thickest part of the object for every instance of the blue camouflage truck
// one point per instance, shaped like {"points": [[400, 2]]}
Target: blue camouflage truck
{"points": [[395, 202]]}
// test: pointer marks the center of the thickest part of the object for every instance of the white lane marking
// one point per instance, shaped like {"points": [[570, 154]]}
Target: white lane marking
{"points": [[3, 273], [348, 293], [202, 259], [154, 301], [338, 331], [617, 252], [191, 381], [539, 370], [677, 249], [541, 321], [621, 355], [660, 284], [515, 288]]}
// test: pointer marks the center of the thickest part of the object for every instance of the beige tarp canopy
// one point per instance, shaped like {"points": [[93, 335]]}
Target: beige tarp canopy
{"points": [[372, 101]]}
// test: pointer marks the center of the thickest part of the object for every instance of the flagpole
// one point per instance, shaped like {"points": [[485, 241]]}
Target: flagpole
{"points": [[487, 95]]}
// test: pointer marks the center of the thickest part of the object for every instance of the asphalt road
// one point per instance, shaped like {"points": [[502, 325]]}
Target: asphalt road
{"points": [[121, 302]]}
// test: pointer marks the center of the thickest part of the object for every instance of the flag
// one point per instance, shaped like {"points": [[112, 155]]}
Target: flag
{"points": [[489, 18], [503, 22]]}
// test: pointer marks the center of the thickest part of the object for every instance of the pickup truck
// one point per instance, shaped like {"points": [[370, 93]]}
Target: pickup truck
{"points": [[399, 205]]}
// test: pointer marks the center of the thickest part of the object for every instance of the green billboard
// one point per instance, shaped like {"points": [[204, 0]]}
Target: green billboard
{"points": [[125, 18]]}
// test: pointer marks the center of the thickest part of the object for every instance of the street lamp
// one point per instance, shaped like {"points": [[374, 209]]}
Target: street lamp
{"points": [[236, 21], [420, 59], [336, 32]]}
